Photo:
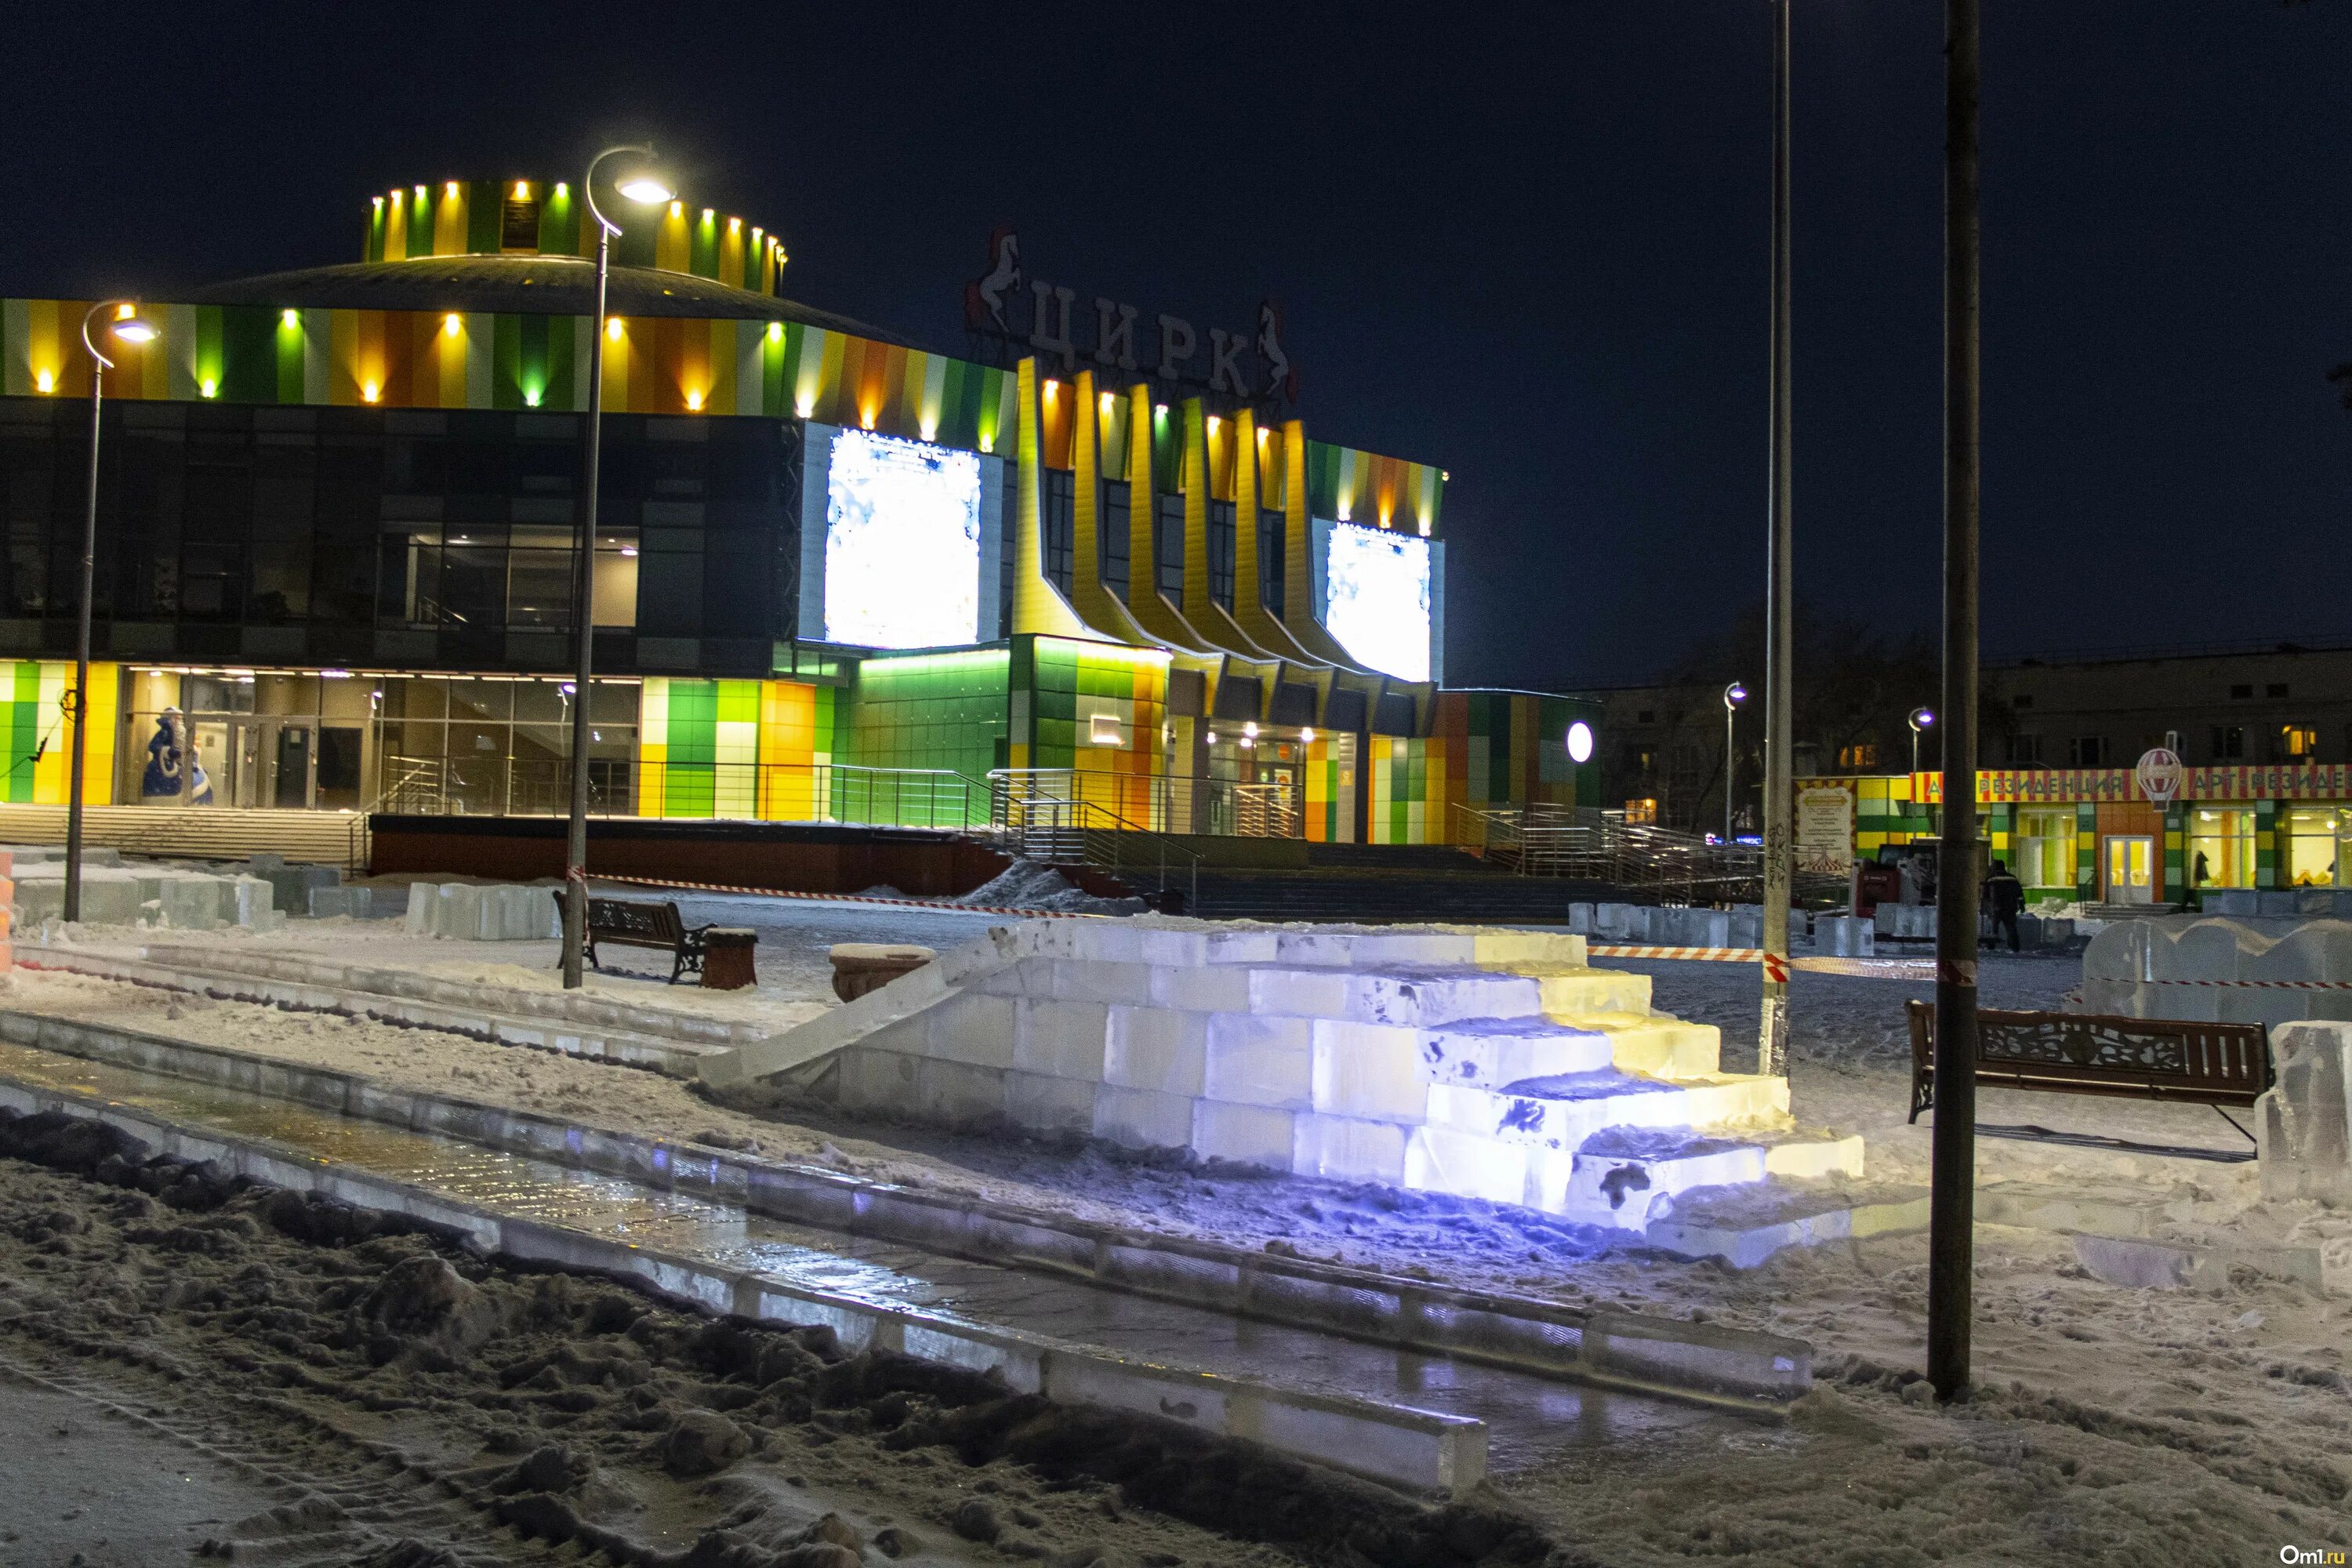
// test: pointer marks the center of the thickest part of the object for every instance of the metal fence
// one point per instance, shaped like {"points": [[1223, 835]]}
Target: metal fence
{"points": [[774, 792], [1597, 845]]}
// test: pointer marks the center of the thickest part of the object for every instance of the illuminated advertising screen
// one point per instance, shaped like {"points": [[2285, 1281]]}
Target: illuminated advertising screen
{"points": [[1377, 598], [901, 543]]}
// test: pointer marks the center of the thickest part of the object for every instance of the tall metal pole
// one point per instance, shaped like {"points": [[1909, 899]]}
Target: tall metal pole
{"points": [[584, 599], [1728, 711], [1952, 1157], [1780, 610], [98, 363]]}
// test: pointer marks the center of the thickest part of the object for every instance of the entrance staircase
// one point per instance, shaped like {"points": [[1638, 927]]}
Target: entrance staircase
{"points": [[200, 833], [1488, 1064]]}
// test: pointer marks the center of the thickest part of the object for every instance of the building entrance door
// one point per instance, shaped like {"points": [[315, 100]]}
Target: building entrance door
{"points": [[261, 761], [2130, 870]]}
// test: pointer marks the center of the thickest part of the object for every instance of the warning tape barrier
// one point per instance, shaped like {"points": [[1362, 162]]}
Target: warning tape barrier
{"points": [[1855, 968], [1709, 954], [2256, 984], [849, 898]]}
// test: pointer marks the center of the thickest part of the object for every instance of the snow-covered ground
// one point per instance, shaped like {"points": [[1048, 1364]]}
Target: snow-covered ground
{"points": [[2111, 1424]]}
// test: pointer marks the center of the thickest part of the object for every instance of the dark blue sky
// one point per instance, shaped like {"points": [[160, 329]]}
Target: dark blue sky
{"points": [[1526, 243]]}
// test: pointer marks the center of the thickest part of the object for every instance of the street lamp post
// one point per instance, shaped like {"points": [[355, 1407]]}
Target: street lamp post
{"points": [[1733, 696], [1779, 603], [1951, 1160], [642, 188], [132, 328], [1920, 718]]}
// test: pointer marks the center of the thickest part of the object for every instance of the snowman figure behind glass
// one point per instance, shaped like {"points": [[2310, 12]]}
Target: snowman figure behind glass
{"points": [[161, 780]]}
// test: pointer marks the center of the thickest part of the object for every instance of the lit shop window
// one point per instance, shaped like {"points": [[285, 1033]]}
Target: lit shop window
{"points": [[2220, 852]]}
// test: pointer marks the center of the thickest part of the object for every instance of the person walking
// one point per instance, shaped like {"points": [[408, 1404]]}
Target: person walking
{"points": [[2005, 896]]}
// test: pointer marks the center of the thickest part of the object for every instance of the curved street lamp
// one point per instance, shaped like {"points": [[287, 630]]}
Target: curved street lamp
{"points": [[1733, 696], [645, 188], [130, 327], [1920, 720]]}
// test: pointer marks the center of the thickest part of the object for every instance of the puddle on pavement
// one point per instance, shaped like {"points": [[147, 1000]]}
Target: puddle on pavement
{"points": [[1529, 1419]]}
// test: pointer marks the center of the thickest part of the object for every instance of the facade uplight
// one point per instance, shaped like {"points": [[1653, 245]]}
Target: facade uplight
{"points": [[612, 328], [453, 323]]}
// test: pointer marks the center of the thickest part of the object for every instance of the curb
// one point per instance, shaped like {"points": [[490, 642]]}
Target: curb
{"points": [[1725, 1368], [1420, 1450], [668, 1057]]}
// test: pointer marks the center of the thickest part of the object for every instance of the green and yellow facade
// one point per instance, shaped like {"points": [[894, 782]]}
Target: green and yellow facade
{"points": [[1163, 698], [2091, 834]]}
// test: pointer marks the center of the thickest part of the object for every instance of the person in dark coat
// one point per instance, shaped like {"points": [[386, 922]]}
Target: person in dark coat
{"points": [[2005, 896]]}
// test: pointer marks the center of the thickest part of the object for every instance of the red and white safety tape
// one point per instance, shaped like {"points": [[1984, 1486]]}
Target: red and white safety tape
{"points": [[848, 898], [1709, 955], [2259, 984], [1777, 968]]}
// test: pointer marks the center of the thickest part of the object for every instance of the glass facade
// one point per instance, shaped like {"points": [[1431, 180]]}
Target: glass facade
{"points": [[411, 538], [2220, 847]]}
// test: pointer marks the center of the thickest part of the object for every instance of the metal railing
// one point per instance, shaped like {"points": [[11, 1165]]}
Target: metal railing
{"points": [[776, 791], [1035, 812], [1601, 846]]}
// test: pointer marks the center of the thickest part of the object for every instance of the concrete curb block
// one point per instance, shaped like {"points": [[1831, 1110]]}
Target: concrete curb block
{"points": [[1422, 1450], [1730, 1368], [665, 1057], [570, 1006]]}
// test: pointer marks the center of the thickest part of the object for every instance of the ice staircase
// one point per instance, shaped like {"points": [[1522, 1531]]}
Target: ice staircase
{"points": [[1486, 1063]]}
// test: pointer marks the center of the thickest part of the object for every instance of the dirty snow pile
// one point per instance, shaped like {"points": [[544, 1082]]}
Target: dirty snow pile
{"points": [[1032, 885]]}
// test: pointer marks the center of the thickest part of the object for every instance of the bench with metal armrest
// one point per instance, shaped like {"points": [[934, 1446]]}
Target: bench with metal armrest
{"points": [[625, 923], [2093, 1053]]}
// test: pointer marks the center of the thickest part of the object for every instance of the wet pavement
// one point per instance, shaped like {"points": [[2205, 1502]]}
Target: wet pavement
{"points": [[1531, 1421]]}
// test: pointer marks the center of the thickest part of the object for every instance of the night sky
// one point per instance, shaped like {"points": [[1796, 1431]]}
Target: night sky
{"points": [[1526, 243]]}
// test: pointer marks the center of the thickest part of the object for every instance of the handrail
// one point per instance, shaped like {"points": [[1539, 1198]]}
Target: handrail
{"points": [[1060, 829]]}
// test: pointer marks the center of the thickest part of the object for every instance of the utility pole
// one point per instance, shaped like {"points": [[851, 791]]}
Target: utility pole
{"points": [[1779, 605], [1952, 1159]]}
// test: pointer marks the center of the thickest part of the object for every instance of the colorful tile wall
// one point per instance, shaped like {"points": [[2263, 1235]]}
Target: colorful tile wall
{"points": [[1068, 687], [943, 711], [40, 737]]}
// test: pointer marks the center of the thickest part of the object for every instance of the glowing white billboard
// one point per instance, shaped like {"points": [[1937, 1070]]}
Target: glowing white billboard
{"points": [[901, 543], [1375, 598]]}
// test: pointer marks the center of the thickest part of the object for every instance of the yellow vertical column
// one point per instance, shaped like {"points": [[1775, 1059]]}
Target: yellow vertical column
{"points": [[1195, 482], [1037, 606]]}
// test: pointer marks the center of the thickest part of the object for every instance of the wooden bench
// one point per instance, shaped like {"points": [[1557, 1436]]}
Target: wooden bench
{"points": [[624, 923], [2093, 1053]]}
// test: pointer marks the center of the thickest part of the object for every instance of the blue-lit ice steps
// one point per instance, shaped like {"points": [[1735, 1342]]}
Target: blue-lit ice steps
{"points": [[1493, 1065]]}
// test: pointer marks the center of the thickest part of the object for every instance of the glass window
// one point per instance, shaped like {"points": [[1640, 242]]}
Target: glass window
{"points": [[1168, 545], [2220, 847], [2316, 837], [1220, 553], [2045, 847], [1111, 546], [1272, 563], [1060, 521]]}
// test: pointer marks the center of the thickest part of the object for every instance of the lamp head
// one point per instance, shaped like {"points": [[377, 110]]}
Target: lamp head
{"points": [[130, 326], [645, 188], [1922, 718], [1734, 694]]}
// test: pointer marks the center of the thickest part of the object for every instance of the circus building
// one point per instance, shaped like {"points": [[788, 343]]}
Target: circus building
{"points": [[838, 576]]}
